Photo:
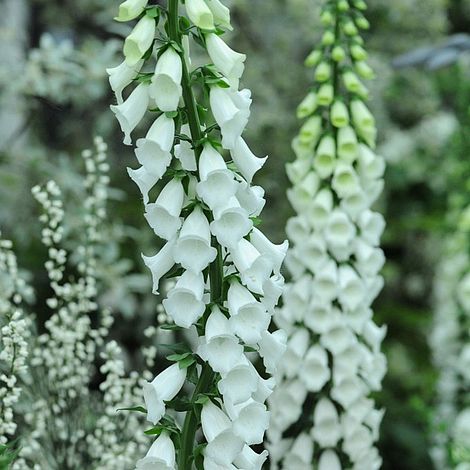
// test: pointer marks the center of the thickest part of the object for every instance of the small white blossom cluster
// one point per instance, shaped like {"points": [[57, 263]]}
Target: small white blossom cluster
{"points": [[450, 343], [322, 413], [14, 336], [196, 162]]}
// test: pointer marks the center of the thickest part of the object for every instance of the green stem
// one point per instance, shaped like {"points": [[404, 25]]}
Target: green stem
{"points": [[191, 422]]}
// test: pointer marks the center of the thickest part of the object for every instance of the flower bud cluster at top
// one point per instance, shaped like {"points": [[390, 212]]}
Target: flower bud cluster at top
{"points": [[195, 177], [321, 410], [450, 345]]}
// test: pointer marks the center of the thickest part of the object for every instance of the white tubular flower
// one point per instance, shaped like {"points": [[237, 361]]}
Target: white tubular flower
{"points": [[200, 14], [185, 303], [229, 63], [220, 12], [220, 348], [122, 76], [161, 455], [316, 371], [320, 209], [246, 161], [164, 387], [251, 198], [329, 460], [130, 112], [223, 445], [217, 182], [240, 382], [274, 253], [153, 152], [231, 110], [164, 214], [131, 9], [144, 180], [327, 428], [160, 263], [250, 459], [271, 348], [231, 222], [193, 248], [139, 41], [166, 87]]}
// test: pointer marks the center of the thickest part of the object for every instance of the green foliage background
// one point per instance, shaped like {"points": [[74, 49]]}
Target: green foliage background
{"points": [[422, 119]]}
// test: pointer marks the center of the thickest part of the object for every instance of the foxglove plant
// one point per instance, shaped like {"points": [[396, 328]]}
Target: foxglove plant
{"points": [[322, 413], [197, 164]]}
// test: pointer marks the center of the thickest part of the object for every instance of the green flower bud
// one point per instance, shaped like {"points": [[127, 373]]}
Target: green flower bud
{"points": [[325, 94], [338, 54], [358, 52], [339, 114], [325, 157], [351, 82], [350, 28], [323, 72], [328, 38], [307, 106], [362, 23], [313, 58], [360, 5], [326, 18], [310, 131], [364, 70], [343, 5], [347, 144]]}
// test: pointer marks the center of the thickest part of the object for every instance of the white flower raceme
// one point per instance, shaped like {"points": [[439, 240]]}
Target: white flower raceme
{"points": [[333, 346], [195, 177]]}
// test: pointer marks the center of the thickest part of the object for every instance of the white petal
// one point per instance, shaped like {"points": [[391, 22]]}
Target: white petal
{"points": [[160, 263]]}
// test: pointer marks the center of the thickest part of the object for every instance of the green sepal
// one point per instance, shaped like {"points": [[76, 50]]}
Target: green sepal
{"points": [[153, 12], [171, 114], [178, 357]]}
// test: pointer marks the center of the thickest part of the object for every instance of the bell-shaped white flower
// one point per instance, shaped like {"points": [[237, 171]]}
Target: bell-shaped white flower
{"points": [[294, 264], [298, 229], [358, 442], [140, 40], [303, 150], [144, 180], [160, 263], [370, 260], [327, 429], [164, 214], [122, 76], [217, 182], [325, 284], [251, 198], [164, 387], [240, 382], [329, 460], [254, 268], [320, 208], [219, 347], [347, 362], [250, 459], [348, 390], [231, 222], [272, 289], [221, 13], [345, 180], [264, 389], [297, 170], [185, 304], [153, 152], [166, 87], [300, 454], [338, 338], [353, 204], [325, 157], [370, 165], [247, 162], [288, 401], [160, 456], [313, 253], [223, 445], [228, 62], [130, 112], [351, 288], [307, 106], [193, 248], [131, 9], [250, 420], [274, 253], [321, 317], [200, 14], [231, 110], [297, 297], [185, 153], [301, 195], [315, 369], [371, 225], [339, 230], [271, 348], [297, 346], [308, 135], [347, 144], [248, 317]]}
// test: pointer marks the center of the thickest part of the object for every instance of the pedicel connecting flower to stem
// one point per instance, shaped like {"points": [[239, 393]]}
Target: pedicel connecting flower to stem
{"points": [[321, 411], [195, 177]]}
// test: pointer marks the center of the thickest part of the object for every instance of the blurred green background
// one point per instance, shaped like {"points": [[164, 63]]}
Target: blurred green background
{"points": [[54, 98]]}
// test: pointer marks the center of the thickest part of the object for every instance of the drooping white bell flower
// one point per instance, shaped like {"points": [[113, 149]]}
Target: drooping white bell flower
{"points": [[223, 445], [247, 162], [351, 288], [347, 144], [313, 252], [121, 76], [358, 442], [264, 389], [193, 248], [160, 263], [298, 229], [131, 9], [140, 40], [325, 157], [345, 181], [160, 456], [164, 214], [251, 318], [219, 347], [166, 87], [200, 14], [164, 387], [253, 267], [225, 59], [217, 183], [221, 13], [301, 453], [355, 203], [297, 296], [249, 459], [274, 253], [144, 180], [251, 198], [348, 390], [339, 230], [316, 371], [300, 196], [370, 166], [185, 304], [231, 110], [297, 346], [371, 225], [130, 112], [297, 170], [338, 338], [153, 152], [329, 460], [320, 208], [271, 348], [347, 362], [249, 420], [370, 260], [325, 284], [231, 222], [240, 382], [327, 429], [288, 400], [272, 289]]}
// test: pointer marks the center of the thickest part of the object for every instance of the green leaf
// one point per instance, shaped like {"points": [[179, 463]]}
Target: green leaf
{"points": [[178, 357], [185, 363], [201, 399], [178, 348], [139, 409], [155, 431]]}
